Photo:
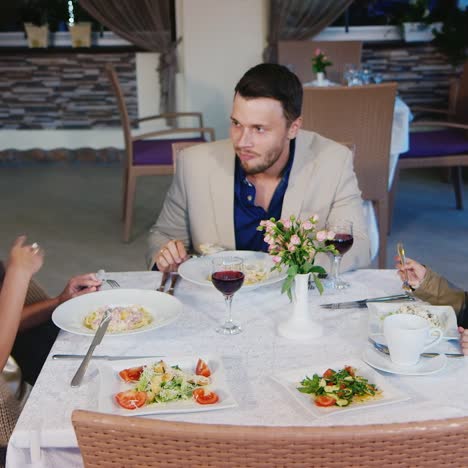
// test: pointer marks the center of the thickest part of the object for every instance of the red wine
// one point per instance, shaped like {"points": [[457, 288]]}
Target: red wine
{"points": [[228, 282], [341, 242]]}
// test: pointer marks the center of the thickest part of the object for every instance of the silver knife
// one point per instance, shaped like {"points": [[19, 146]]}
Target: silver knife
{"points": [[384, 349], [78, 377], [102, 357], [363, 302]]}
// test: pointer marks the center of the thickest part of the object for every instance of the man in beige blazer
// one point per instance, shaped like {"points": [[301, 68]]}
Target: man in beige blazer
{"points": [[312, 174]]}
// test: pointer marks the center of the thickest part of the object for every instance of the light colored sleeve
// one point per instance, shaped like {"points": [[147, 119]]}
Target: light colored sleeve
{"points": [[348, 205], [173, 221]]}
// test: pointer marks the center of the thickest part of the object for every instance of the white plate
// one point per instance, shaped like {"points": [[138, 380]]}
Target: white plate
{"points": [[70, 315], [445, 314], [382, 362], [291, 379], [198, 270], [111, 384]]}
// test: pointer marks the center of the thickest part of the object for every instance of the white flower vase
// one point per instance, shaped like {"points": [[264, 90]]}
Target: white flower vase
{"points": [[300, 326], [320, 78]]}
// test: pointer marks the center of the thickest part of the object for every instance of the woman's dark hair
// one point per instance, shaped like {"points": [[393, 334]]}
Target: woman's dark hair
{"points": [[269, 80]]}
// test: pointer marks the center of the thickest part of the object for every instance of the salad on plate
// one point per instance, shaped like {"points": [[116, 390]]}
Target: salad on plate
{"points": [[158, 382], [339, 388]]}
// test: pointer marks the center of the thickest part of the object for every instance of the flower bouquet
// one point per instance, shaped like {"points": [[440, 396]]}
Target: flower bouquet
{"points": [[295, 244], [320, 62]]}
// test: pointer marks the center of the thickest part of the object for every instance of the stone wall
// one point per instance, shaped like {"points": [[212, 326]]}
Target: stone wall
{"points": [[63, 90], [422, 73]]}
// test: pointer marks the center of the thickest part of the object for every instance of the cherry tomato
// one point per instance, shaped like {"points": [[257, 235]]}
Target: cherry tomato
{"points": [[131, 399], [350, 370], [324, 400], [205, 398], [202, 368], [328, 374], [131, 374]]}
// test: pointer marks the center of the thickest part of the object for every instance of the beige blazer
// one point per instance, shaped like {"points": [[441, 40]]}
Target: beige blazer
{"points": [[199, 204]]}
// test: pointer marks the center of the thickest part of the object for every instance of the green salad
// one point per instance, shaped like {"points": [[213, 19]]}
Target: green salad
{"points": [[163, 383], [338, 388]]}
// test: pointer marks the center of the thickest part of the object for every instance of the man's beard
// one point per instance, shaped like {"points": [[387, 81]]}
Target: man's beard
{"points": [[263, 165]]}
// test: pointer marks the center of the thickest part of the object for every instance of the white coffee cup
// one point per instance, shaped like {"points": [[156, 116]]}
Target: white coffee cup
{"points": [[408, 336]]}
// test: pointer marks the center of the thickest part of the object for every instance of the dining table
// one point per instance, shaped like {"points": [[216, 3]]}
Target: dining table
{"points": [[254, 363]]}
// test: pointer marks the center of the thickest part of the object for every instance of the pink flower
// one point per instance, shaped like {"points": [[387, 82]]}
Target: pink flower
{"points": [[307, 225], [295, 240], [276, 259], [317, 52], [330, 235], [287, 223], [291, 247], [315, 218], [321, 236]]}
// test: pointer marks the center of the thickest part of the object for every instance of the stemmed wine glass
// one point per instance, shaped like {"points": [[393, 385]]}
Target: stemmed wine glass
{"points": [[342, 242], [227, 277]]}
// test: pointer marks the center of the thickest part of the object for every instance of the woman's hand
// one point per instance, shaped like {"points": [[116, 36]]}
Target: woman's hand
{"points": [[463, 340], [413, 269], [27, 259]]}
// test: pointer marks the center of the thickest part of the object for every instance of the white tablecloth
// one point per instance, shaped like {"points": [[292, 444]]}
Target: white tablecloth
{"points": [[402, 117], [44, 431]]}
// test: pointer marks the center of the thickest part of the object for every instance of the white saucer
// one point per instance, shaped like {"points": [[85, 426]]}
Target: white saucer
{"points": [[382, 362]]}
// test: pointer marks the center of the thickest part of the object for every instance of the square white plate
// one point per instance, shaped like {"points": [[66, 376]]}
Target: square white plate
{"points": [[291, 379], [445, 314], [111, 384]]}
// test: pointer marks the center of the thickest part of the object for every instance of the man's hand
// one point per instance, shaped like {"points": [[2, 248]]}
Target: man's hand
{"points": [[463, 340], [79, 285], [171, 256], [25, 258], [415, 271]]}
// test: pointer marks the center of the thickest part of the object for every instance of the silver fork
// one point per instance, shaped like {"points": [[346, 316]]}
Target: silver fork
{"points": [[101, 274], [401, 253]]}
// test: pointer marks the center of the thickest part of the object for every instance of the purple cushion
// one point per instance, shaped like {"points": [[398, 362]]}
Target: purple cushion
{"points": [[437, 143], [147, 152]]}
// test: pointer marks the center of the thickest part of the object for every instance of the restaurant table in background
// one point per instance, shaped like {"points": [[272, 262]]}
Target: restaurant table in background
{"points": [[44, 431]]}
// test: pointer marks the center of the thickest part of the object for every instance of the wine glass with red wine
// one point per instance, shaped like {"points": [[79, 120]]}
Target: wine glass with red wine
{"points": [[342, 242], [227, 276]]}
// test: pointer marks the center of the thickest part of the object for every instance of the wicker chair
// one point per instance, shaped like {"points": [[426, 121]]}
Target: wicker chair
{"points": [[299, 55], [118, 441], [361, 115], [149, 156], [442, 143]]}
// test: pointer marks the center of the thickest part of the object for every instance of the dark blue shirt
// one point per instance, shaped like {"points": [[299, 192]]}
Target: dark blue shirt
{"points": [[247, 215]]}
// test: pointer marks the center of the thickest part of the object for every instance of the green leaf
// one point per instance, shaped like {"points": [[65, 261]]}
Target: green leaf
{"points": [[292, 270], [318, 269], [318, 284]]}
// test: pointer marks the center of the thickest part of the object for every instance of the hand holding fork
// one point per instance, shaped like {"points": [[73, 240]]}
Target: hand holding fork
{"points": [[411, 272]]}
